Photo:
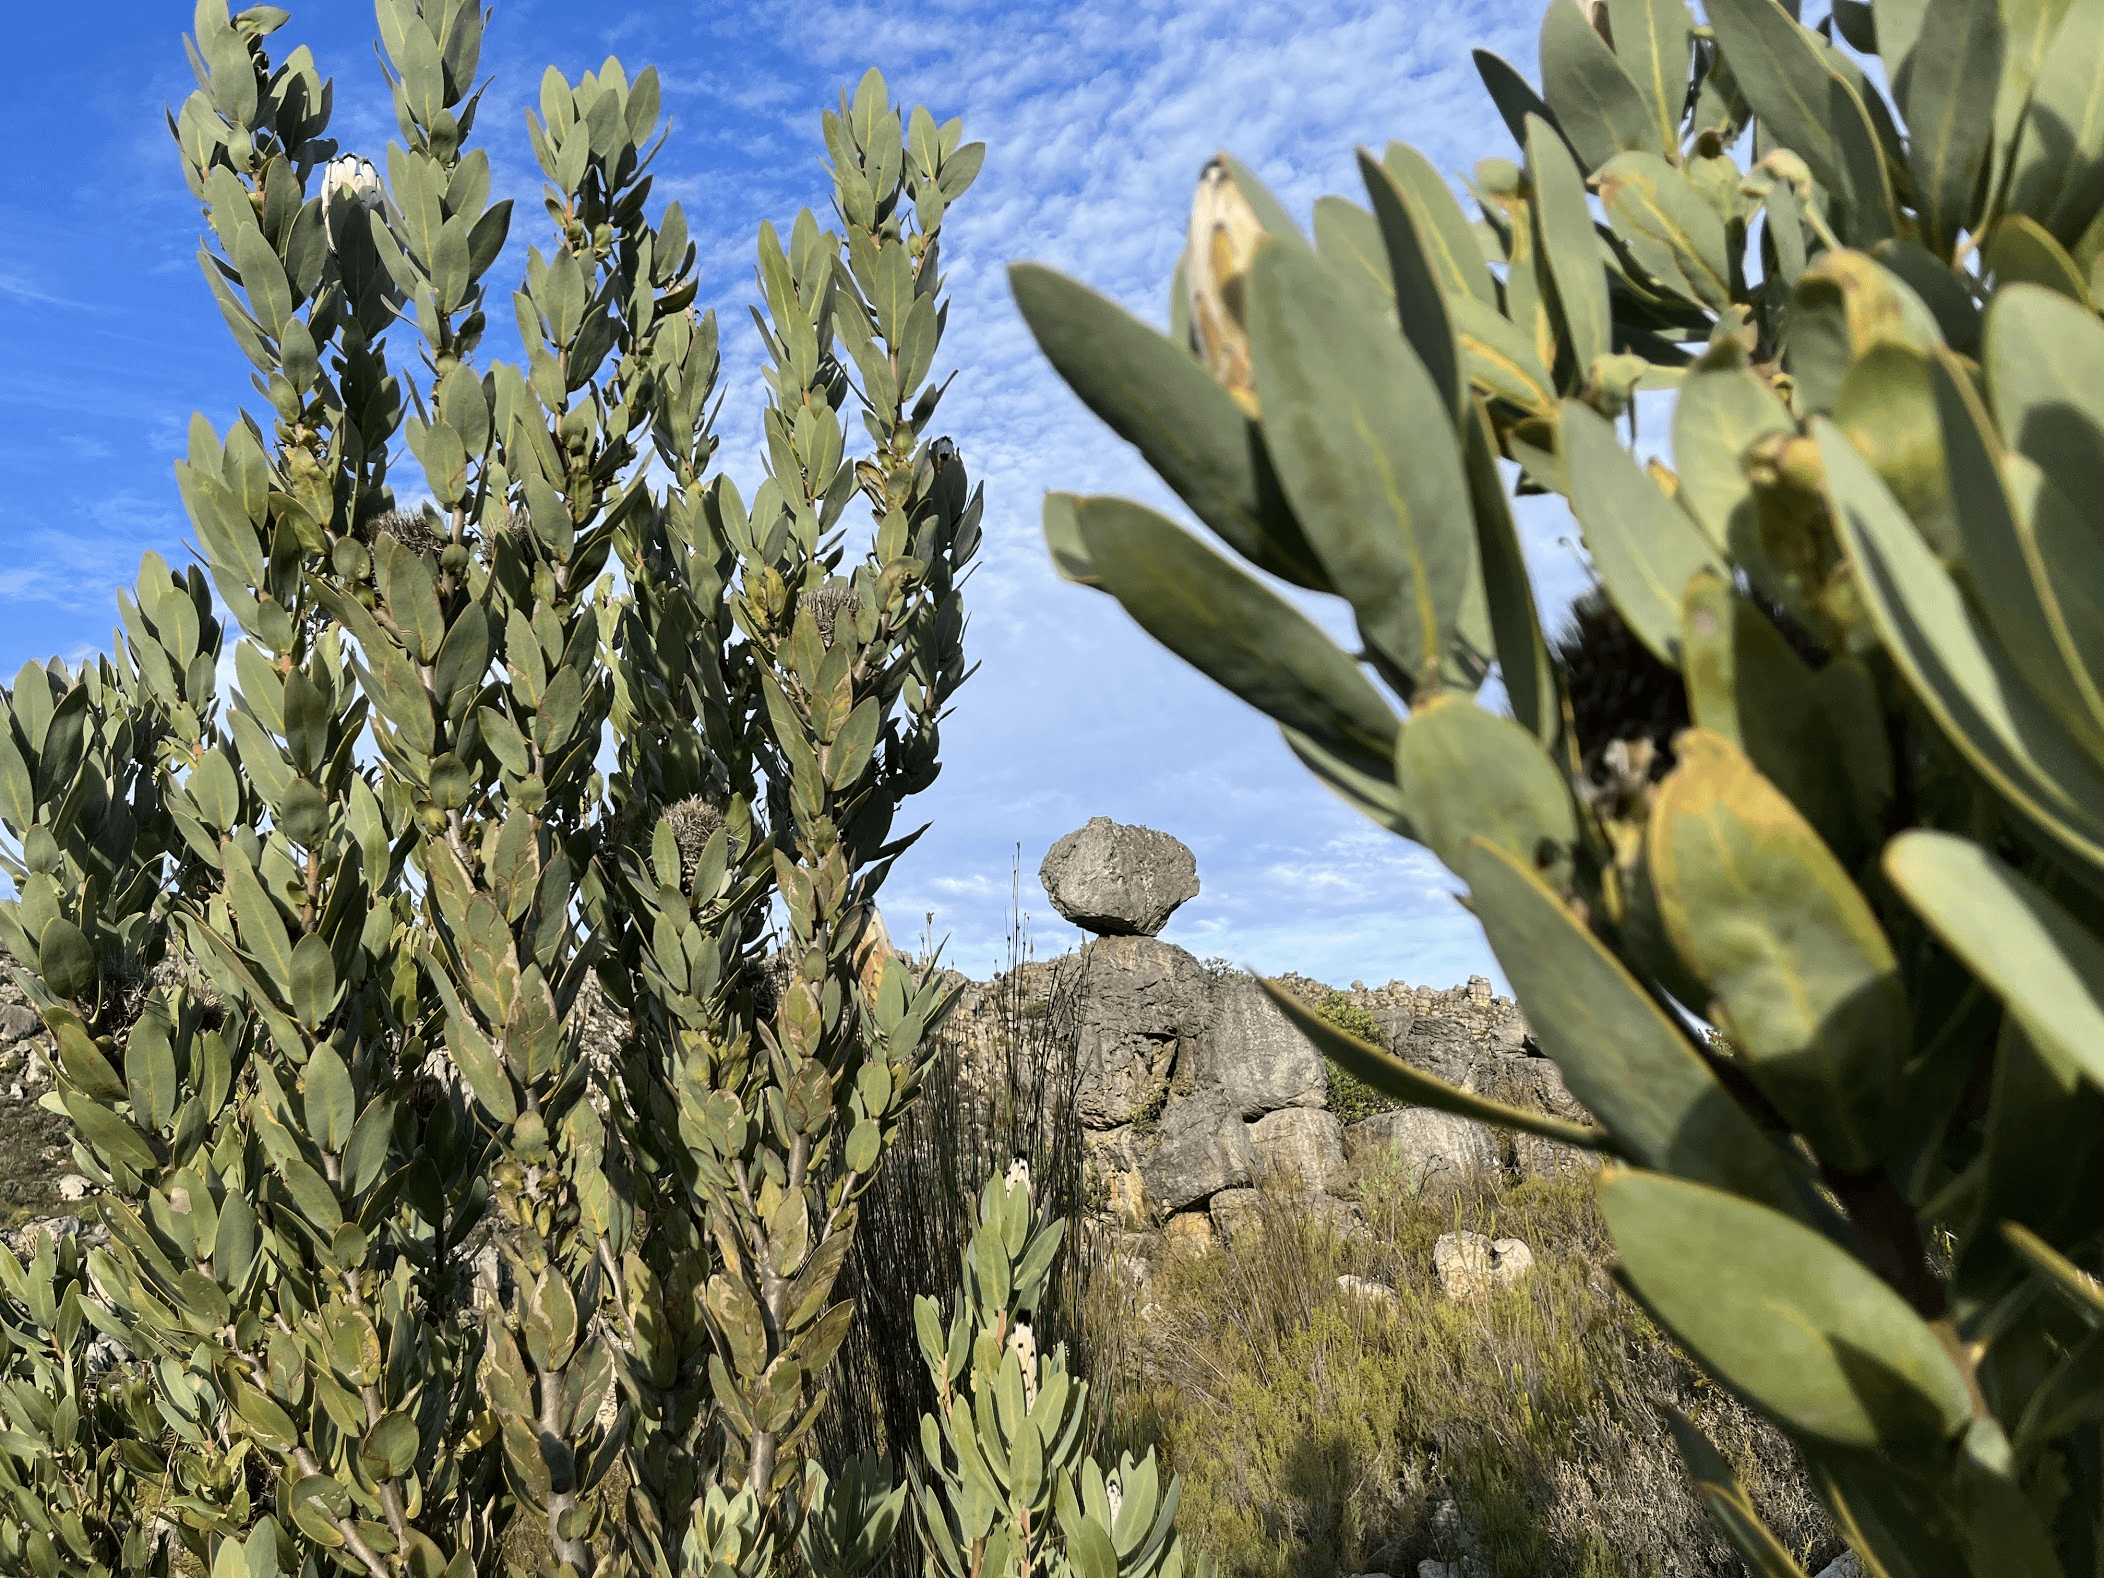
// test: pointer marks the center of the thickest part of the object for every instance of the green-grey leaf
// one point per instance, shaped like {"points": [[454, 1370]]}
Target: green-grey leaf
{"points": [[1723, 410], [1765, 916], [1449, 243], [1967, 683], [1567, 244], [1949, 104], [331, 1104], [1786, 1316], [1414, 278], [1810, 110], [1468, 774], [1158, 397], [2025, 947], [1390, 1074], [1652, 39], [1622, 1057], [1644, 544], [2057, 176], [1668, 226], [1600, 109], [66, 959], [1365, 453]]}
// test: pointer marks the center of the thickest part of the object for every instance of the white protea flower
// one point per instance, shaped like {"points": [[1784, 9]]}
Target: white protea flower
{"points": [[354, 175], [1114, 1493], [1018, 1173], [1022, 1342]]}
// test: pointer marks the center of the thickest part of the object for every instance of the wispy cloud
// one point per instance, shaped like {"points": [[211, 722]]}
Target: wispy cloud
{"points": [[1098, 115]]}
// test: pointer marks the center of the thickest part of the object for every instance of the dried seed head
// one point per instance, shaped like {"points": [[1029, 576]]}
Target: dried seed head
{"points": [[1618, 690], [832, 608], [416, 530], [694, 821], [1225, 231]]}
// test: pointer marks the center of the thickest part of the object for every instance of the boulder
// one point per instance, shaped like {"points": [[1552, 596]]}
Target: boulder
{"points": [[1203, 1146], [1470, 1264], [1254, 1056], [1140, 1002], [18, 1022], [1118, 881], [1435, 1151], [1847, 1565], [1188, 1232], [1536, 1085], [1302, 1149]]}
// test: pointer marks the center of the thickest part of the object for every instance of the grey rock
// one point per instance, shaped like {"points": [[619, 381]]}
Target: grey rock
{"points": [[17, 1022], [1534, 1084], [1119, 881], [1254, 1056], [1436, 1152], [1847, 1565], [1142, 1004], [1241, 1215], [1203, 1147], [1302, 1149]]}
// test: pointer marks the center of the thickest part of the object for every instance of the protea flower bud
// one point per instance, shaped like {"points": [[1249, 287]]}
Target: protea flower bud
{"points": [[358, 180], [1225, 231], [1022, 1342], [1018, 1173]]}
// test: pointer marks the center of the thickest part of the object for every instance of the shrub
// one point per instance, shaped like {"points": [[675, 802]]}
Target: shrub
{"points": [[1874, 863], [406, 1274], [1351, 1097], [1318, 1432]]}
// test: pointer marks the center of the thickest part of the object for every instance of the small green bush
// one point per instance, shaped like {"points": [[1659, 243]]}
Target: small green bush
{"points": [[1350, 1097]]}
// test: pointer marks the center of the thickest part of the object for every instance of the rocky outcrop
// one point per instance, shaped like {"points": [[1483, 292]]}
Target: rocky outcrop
{"points": [[1119, 881], [1197, 1094], [1433, 1153], [1143, 1007]]}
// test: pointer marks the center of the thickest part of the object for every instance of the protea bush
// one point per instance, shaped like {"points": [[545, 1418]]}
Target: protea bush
{"points": [[490, 700], [1831, 979]]}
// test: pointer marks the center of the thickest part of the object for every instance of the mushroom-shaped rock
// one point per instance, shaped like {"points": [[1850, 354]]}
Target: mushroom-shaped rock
{"points": [[1119, 881]]}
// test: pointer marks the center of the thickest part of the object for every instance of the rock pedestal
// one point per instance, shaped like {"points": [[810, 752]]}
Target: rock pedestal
{"points": [[1119, 881]]}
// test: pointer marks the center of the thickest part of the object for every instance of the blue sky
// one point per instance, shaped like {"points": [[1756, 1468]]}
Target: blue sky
{"points": [[1098, 116]]}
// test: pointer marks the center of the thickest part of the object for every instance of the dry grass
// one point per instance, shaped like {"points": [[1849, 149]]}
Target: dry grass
{"points": [[1320, 1433]]}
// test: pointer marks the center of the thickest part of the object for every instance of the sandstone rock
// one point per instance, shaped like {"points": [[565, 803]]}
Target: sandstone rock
{"points": [[1436, 1151], [72, 1186], [1118, 881], [1254, 1056], [1188, 1232], [1536, 1084], [16, 1022], [1238, 1215], [1142, 1003], [1470, 1264], [1202, 1148], [1301, 1149], [1847, 1565]]}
